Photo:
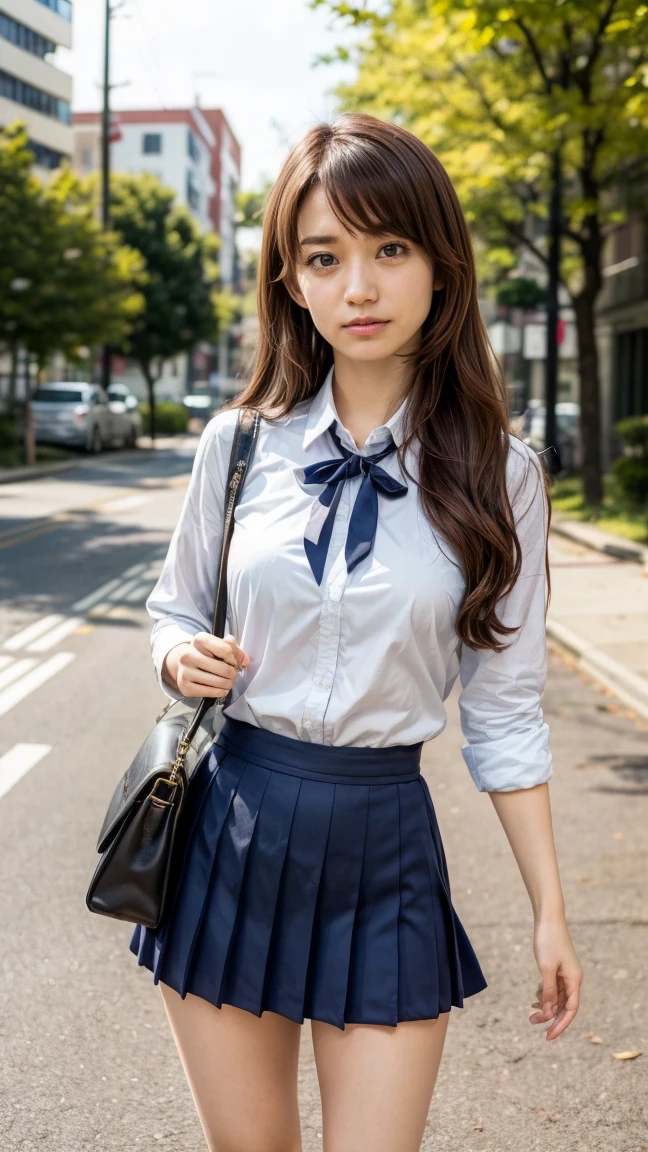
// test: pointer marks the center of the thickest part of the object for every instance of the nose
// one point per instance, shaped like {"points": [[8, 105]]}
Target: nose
{"points": [[361, 284]]}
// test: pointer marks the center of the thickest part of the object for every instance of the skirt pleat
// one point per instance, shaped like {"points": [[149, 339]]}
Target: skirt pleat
{"points": [[338, 901], [312, 883]]}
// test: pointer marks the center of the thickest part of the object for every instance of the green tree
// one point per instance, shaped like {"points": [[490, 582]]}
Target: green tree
{"points": [[64, 284], [498, 91], [184, 302]]}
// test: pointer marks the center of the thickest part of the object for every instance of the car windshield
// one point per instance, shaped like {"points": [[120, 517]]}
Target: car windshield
{"points": [[58, 395]]}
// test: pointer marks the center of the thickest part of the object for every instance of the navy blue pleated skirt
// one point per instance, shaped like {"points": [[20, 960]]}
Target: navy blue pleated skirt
{"points": [[313, 883]]}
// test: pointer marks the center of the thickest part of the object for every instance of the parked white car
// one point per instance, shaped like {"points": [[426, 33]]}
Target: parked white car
{"points": [[81, 415], [122, 392]]}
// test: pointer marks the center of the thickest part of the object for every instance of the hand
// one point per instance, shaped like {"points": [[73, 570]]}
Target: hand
{"points": [[205, 666], [559, 990]]}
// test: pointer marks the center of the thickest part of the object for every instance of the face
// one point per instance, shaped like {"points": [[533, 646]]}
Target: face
{"points": [[368, 296]]}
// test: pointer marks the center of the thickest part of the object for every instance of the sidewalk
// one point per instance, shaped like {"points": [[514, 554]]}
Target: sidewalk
{"points": [[599, 608], [144, 444]]}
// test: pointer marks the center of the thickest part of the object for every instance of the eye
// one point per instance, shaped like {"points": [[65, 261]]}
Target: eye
{"points": [[320, 256], [391, 246]]}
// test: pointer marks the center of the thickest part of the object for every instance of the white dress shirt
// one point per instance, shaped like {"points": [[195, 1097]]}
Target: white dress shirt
{"points": [[366, 658]]}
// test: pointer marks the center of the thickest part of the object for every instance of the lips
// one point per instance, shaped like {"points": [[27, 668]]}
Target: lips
{"points": [[365, 325]]}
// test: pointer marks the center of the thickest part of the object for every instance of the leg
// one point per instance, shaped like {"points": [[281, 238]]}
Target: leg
{"points": [[377, 1082], [242, 1071]]}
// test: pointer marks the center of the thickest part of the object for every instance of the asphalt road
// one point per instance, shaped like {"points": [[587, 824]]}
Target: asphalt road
{"points": [[86, 1056]]}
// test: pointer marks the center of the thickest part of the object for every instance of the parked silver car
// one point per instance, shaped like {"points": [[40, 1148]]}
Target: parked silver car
{"points": [[81, 415], [122, 392]]}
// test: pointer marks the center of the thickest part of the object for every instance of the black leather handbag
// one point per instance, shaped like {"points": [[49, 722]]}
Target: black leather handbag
{"points": [[142, 830]]}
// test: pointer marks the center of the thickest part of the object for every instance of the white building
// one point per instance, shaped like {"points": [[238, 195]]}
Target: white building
{"points": [[191, 150], [32, 89]]}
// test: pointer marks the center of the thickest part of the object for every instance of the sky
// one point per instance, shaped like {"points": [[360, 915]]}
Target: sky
{"points": [[252, 58]]}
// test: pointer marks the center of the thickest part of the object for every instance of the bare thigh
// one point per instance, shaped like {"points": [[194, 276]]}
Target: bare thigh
{"points": [[377, 1082], [242, 1072]]}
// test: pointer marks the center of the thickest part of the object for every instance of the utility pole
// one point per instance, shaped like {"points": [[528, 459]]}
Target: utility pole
{"points": [[105, 168], [552, 462]]}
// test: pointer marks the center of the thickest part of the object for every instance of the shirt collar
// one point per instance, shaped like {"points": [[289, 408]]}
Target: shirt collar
{"points": [[323, 413]]}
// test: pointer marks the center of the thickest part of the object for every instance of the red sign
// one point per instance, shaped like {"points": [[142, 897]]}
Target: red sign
{"points": [[114, 133]]}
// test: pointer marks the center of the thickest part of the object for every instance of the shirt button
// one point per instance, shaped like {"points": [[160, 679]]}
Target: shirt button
{"points": [[321, 684]]}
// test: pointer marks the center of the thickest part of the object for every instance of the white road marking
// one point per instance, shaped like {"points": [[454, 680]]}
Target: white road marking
{"points": [[4, 660], [123, 589], [33, 680], [15, 671], [23, 638], [52, 638], [93, 597], [17, 761], [140, 592], [134, 570], [123, 503]]}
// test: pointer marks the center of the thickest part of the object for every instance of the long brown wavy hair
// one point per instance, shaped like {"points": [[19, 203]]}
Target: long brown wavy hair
{"points": [[379, 177]]}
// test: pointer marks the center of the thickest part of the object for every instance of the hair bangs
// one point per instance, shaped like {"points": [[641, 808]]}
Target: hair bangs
{"points": [[368, 193]]}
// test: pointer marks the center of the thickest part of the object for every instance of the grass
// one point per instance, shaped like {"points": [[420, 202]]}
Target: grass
{"points": [[13, 456], [616, 514]]}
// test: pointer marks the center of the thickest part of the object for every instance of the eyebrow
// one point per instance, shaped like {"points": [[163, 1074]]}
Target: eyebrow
{"points": [[318, 240]]}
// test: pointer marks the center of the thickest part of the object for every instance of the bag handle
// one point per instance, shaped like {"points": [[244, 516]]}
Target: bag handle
{"points": [[245, 436]]}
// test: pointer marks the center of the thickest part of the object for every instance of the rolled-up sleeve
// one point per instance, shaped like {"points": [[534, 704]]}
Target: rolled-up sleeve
{"points": [[182, 601], [500, 700]]}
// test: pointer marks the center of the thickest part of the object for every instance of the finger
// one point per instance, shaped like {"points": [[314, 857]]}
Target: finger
{"points": [[195, 661], [242, 657], [194, 682], [562, 1021], [214, 646]]}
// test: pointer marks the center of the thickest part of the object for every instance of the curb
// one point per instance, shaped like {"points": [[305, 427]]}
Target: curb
{"points": [[631, 688], [13, 475], [600, 541]]}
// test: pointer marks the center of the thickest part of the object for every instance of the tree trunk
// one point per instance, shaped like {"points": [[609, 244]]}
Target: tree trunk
{"points": [[150, 388], [30, 432], [590, 396], [13, 378]]}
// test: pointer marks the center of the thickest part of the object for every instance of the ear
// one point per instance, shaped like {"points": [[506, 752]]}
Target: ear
{"points": [[438, 284], [294, 291]]}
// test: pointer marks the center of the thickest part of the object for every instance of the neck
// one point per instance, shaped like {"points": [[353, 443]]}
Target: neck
{"points": [[367, 393]]}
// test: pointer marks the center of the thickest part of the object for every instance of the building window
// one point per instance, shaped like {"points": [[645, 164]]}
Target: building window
{"points": [[192, 146], [45, 157], [152, 143], [24, 37], [193, 195], [21, 93], [61, 7], [631, 374]]}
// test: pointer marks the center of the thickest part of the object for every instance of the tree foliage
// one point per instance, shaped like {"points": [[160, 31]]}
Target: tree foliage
{"points": [[64, 284], [183, 301], [496, 89]]}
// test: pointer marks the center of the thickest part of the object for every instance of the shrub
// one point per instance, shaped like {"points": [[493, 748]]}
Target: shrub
{"points": [[169, 417], [631, 469], [631, 473], [634, 432]]}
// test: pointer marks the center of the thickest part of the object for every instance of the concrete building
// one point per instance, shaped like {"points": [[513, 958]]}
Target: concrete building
{"points": [[191, 150], [31, 87]]}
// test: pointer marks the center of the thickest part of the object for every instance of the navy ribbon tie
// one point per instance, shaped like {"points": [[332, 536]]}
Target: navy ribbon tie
{"points": [[364, 517]]}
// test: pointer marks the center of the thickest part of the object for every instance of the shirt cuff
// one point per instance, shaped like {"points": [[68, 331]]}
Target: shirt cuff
{"points": [[161, 644], [516, 761]]}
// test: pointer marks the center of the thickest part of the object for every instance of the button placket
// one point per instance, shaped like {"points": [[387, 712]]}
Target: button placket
{"points": [[333, 587]]}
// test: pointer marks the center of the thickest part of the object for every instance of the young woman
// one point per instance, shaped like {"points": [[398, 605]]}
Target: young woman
{"points": [[391, 537]]}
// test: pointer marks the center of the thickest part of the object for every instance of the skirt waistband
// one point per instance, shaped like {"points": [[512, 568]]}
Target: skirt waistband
{"points": [[335, 764]]}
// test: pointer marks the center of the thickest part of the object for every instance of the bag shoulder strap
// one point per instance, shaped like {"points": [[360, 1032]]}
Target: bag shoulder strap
{"points": [[245, 437]]}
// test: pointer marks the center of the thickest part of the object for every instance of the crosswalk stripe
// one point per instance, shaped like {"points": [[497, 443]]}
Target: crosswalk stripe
{"points": [[33, 680], [52, 638], [17, 762], [16, 669], [93, 597], [21, 639]]}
